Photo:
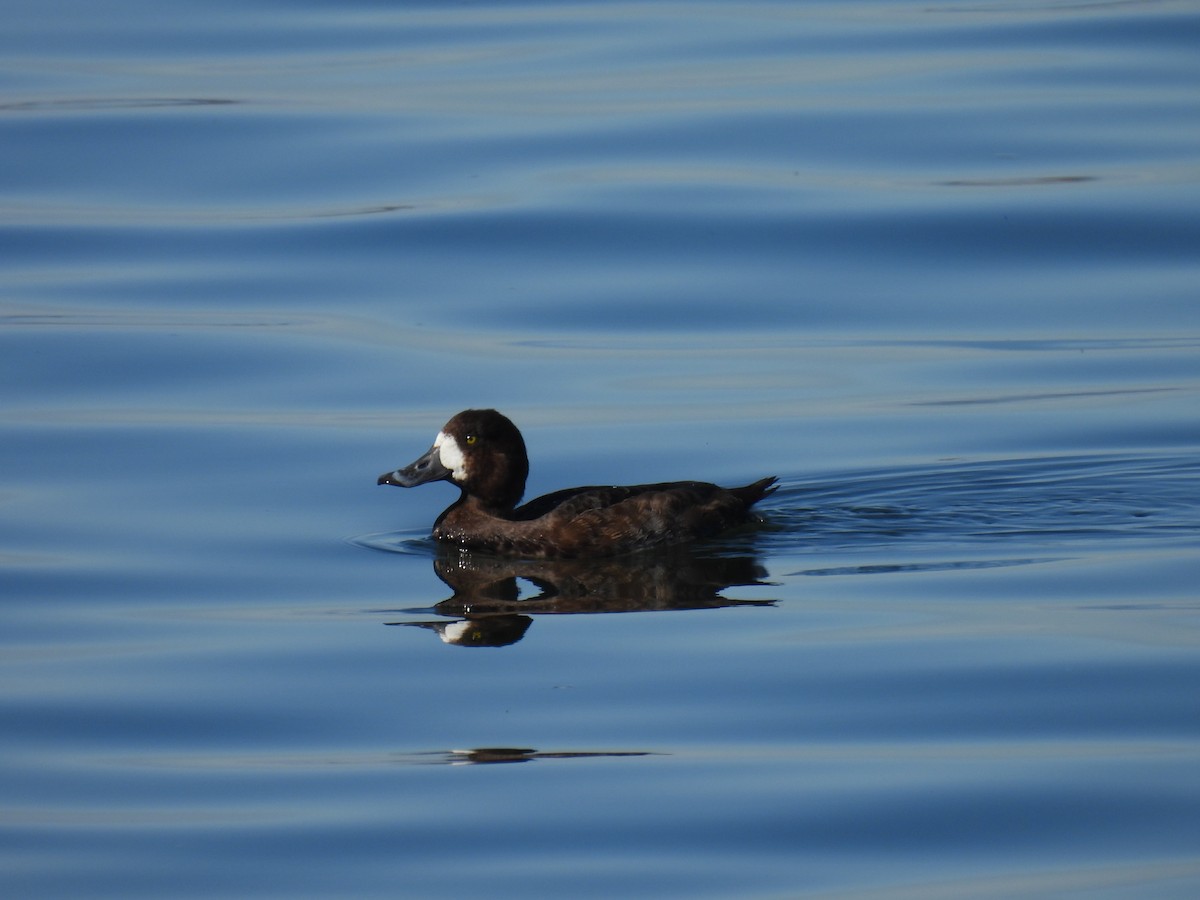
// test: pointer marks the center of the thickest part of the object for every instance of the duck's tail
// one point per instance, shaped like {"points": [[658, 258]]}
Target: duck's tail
{"points": [[752, 493]]}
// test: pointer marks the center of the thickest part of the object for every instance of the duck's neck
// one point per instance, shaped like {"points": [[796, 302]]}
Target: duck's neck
{"points": [[473, 508], [472, 521]]}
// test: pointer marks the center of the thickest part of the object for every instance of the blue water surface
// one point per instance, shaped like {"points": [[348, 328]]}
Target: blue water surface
{"points": [[933, 264]]}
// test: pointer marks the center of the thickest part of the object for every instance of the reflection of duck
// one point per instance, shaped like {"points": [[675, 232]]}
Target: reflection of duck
{"points": [[483, 453], [490, 611]]}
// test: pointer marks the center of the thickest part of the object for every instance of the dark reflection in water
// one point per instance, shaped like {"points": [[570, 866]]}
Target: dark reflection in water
{"points": [[938, 566], [1028, 181], [95, 104], [488, 609], [490, 755]]}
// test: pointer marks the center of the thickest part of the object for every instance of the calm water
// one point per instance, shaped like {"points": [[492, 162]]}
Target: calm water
{"points": [[934, 264]]}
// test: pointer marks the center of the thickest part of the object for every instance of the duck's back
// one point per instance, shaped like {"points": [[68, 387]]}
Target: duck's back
{"points": [[596, 521]]}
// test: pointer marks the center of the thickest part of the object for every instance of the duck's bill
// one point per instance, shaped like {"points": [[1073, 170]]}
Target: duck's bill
{"points": [[428, 468]]}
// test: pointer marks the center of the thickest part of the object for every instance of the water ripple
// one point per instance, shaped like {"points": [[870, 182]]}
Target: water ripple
{"points": [[1044, 501]]}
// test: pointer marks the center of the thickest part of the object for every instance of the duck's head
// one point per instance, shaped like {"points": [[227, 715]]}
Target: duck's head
{"points": [[479, 450]]}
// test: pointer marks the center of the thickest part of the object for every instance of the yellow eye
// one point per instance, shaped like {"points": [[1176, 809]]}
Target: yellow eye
{"points": [[471, 439]]}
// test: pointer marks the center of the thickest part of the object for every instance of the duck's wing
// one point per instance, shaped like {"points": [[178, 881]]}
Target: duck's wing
{"points": [[570, 502]]}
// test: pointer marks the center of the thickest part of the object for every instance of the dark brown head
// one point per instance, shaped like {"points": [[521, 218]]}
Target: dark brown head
{"points": [[479, 450]]}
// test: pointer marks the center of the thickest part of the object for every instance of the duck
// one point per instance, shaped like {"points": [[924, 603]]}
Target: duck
{"points": [[483, 453]]}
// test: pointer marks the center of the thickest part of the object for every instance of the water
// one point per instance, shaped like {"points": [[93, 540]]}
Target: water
{"points": [[934, 265]]}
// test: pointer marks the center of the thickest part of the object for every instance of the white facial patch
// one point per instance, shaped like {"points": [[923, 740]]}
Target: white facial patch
{"points": [[451, 456]]}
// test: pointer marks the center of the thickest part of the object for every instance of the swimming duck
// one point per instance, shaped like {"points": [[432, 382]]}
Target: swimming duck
{"points": [[483, 453]]}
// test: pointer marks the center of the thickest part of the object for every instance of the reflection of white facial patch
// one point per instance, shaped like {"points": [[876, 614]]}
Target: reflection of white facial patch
{"points": [[451, 456], [455, 632]]}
